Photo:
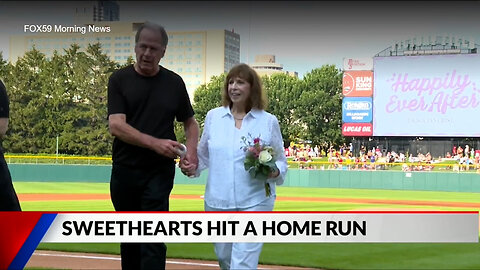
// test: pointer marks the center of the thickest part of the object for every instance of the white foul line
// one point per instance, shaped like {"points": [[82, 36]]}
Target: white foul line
{"points": [[77, 256]]}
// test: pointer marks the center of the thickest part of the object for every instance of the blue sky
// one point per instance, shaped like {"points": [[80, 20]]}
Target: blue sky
{"points": [[303, 35]]}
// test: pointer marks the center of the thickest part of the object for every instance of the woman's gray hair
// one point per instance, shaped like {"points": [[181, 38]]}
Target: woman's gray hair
{"points": [[153, 27]]}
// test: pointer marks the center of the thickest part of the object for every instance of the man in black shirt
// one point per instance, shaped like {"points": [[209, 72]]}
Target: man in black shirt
{"points": [[8, 197], [143, 101]]}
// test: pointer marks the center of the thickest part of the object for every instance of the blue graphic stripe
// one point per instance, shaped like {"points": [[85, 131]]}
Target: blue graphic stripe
{"points": [[32, 241]]}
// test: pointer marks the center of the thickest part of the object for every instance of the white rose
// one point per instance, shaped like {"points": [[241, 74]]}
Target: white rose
{"points": [[264, 157]]}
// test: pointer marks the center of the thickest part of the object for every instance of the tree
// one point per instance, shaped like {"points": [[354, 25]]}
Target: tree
{"points": [[28, 122], [320, 106], [101, 68], [207, 97], [179, 132], [283, 91], [130, 61], [64, 96], [4, 67], [86, 119]]}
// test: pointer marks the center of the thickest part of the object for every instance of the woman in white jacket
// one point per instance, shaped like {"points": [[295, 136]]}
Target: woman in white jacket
{"points": [[229, 186]]}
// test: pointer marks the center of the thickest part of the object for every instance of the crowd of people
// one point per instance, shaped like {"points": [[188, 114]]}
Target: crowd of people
{"points": [[468, 158], [465, 158]]}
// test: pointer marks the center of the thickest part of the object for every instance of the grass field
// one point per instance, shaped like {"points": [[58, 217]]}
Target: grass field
{"points": [[320, 255]]}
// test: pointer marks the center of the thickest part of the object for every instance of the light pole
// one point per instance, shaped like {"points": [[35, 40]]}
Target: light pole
{"points": [[56, 151]]}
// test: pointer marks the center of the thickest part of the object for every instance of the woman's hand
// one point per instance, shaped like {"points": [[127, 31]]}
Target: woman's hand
{"points": [[188, 168], [274, 173]]}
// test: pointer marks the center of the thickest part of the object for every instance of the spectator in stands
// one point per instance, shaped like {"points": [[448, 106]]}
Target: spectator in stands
{"points": [[477, 161], [373, 158], [460, 151], [8, 196], [143, 101], [316, 149], [342, 150], [362, 150]]}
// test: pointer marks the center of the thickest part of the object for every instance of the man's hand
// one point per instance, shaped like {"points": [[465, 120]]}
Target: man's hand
{"points": [[166, 147], [189, 164], [125, 132]]}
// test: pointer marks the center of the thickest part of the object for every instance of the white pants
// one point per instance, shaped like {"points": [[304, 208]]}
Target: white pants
{"points": [[240, 255]]}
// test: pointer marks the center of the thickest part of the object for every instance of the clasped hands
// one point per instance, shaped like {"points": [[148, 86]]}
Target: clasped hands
{"points": [[188, 165]]}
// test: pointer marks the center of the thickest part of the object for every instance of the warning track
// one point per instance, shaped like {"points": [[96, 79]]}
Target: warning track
{"points": [[80, 197]]}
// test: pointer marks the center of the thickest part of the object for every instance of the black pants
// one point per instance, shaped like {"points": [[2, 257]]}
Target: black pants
{"points": [[8, 197], [134, 189]]}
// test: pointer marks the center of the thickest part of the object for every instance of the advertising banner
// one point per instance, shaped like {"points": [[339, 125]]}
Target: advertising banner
{"points": [[357, 64], [357, 109], [357, 83], [428, 96], [357, 129]]}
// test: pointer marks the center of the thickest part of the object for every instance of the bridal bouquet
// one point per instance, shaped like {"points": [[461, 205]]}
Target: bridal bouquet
{"points": [[259, 160]]}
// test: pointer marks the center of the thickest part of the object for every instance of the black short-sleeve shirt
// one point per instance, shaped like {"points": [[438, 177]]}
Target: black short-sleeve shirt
{"points": [[4, 107], [151, 104]]}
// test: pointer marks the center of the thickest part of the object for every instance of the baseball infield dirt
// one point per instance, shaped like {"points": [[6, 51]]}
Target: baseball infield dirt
{"points": [[67, 260]]}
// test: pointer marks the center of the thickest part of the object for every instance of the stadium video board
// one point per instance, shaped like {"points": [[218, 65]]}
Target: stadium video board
{"points": [[428, 96]]}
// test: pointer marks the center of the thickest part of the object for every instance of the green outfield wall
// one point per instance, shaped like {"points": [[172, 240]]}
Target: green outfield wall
{"points": [[396, 180]]}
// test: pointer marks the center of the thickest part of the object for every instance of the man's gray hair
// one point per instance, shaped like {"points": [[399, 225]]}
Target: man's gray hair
{"points": [[153, 27]]}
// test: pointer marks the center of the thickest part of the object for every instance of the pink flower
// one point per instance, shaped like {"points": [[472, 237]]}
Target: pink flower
{"points": [[256, 140], [254, 150]]}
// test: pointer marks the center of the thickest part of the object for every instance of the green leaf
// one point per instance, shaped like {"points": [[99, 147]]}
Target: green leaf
{"points": [[271, 164], [248, 163], [261, 176], [252, 173], [265, 170]]}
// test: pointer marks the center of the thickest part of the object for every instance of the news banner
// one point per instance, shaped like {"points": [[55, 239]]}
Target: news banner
{"points": [[21, 232]]}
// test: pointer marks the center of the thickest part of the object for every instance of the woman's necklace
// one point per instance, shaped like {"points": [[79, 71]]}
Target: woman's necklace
{"points": [[238, 118]]}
